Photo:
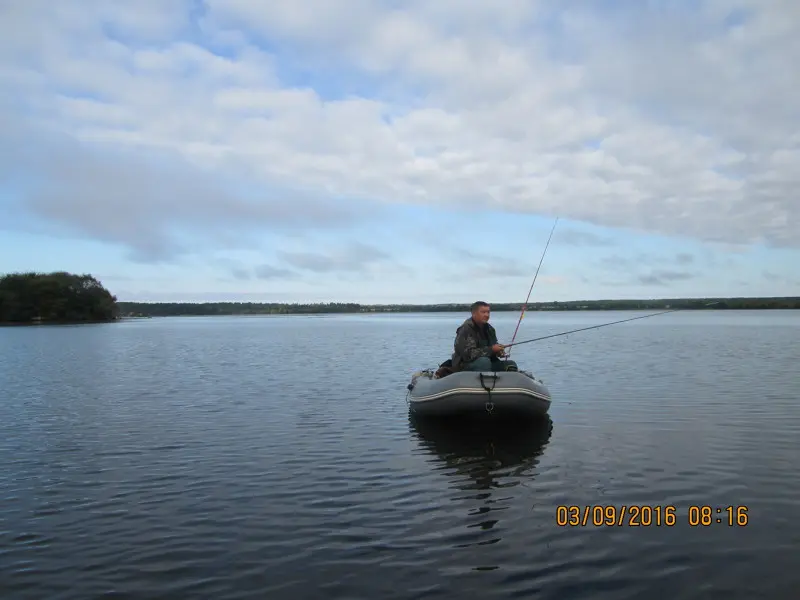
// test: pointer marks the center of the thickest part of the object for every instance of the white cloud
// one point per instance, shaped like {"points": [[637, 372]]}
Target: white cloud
{"points": [[652, 118]]}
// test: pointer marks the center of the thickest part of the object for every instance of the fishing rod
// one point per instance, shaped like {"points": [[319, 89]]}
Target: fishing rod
{"points": [[546, 337], [525, 305]]}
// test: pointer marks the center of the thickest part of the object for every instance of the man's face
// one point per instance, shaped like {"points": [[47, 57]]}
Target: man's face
{"points": [[481, 315]]}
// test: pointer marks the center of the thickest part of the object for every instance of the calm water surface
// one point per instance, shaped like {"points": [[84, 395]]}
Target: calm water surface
{"points": [[272, 457]]}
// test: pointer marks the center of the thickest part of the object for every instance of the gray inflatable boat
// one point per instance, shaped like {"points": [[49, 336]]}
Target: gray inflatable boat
{"points": [[474, 393]]}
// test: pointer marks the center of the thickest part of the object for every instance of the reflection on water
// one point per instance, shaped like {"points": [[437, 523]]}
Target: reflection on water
{"points": [[487, 451], [482, 460]]}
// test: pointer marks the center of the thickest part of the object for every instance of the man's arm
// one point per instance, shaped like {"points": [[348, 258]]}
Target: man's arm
{"points": [[466, 346], [493, 342]]}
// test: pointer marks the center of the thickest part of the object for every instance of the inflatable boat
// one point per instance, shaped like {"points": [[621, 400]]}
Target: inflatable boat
{"points": [[498, 394]]}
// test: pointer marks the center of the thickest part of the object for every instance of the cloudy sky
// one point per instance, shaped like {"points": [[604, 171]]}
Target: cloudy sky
{"points": [[419, 151]]}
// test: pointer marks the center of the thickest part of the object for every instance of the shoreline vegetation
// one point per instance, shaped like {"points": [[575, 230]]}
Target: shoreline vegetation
{"points": [[57, 297], [63, 298], [174, 309]]}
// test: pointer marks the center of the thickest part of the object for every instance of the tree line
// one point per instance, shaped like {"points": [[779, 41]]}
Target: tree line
{"points": [[165, 309], [63, 297], [57, 297]]}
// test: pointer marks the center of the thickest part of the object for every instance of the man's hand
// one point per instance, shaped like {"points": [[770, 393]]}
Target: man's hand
{"points": [[499, 349]]}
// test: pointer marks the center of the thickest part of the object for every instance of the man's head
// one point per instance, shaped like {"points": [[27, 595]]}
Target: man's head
{"points": [[480, 312]]}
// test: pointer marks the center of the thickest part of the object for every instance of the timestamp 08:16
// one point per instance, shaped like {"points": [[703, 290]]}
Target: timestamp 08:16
{"points": [[649, 515]]}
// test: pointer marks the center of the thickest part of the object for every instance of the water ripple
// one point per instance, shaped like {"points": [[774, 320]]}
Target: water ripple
{"points": [[184, 458]]}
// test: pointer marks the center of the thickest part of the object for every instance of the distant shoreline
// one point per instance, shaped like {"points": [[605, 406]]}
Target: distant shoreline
{"points": [[174, 309], [56, 298], [62, 298]]}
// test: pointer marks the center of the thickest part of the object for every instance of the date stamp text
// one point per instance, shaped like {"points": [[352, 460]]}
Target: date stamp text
{"points": [[649, 515]]}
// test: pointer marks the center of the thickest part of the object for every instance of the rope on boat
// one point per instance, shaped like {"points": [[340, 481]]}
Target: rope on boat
{"points": [[489, 403], [546, 337]]}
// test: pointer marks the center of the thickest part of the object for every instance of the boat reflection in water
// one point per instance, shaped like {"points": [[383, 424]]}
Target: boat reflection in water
{"points": [[490, 468], [489, 452]]}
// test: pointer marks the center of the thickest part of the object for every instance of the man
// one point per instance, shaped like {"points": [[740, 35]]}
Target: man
{"points": [[475, 347]]}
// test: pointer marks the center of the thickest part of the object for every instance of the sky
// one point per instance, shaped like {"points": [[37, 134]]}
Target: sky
{"points": [[384, 151]]}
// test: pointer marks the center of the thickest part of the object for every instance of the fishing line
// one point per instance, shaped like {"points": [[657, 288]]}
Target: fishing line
{"points": [[546, 337], [524, 306]]}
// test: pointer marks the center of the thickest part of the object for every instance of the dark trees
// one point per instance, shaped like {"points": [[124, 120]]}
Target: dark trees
{"points": [[57, 297]]}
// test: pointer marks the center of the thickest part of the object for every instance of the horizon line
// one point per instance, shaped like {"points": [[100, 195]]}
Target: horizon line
{"points": [[538, 302]]}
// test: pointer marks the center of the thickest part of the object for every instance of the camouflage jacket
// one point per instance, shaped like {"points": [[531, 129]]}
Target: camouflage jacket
{"points": [[472, 342]]}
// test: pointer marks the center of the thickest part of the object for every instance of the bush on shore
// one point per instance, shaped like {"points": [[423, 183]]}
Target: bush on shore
{"points": [[57, 297]]}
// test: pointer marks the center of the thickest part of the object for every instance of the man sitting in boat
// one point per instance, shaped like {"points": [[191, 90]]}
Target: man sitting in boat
{"points": [[476, 347]]}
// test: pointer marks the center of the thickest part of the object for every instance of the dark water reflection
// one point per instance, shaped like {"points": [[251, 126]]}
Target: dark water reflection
{"points": [[491, 455], [484, 460]]}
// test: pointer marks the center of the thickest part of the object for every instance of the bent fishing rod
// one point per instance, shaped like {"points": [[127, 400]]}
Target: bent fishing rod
{"points": [[546, 337], [525, 305]]}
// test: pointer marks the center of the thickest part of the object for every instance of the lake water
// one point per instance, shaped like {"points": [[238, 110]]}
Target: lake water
{"points": [[272, 457]]}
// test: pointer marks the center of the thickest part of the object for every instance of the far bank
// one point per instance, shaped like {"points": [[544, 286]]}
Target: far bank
{"points": [[174, 309]]}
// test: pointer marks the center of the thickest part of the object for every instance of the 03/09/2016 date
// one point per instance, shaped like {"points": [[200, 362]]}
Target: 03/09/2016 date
{"points": [[649, 515]]}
